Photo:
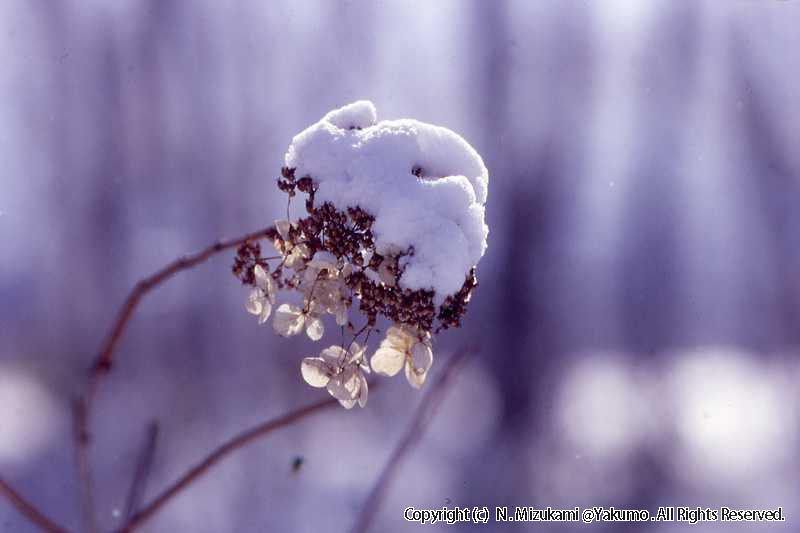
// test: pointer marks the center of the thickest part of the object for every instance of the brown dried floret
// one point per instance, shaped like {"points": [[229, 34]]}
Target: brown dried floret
{"points": [[248, 255], [347, 234]]}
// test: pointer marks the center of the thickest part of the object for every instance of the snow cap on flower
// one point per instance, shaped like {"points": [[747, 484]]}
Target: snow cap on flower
{"points": [[425, 186], [394, 231]]}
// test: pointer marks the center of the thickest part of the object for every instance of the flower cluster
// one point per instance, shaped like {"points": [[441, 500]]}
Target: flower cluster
{"points": [[406, 348], [329, 259], [393, 229], [341, 371]]}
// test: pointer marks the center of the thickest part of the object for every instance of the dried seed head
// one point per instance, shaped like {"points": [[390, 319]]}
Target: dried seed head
{"points": [[373, 278], [332, 258]]}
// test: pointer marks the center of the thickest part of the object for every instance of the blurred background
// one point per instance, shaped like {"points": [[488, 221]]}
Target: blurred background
{"points": [[639, 306]]}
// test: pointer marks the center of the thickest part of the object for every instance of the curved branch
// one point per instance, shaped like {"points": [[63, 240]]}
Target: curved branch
{"points": [[423, 416], [239, 441], [102, 363], [26, 508]]}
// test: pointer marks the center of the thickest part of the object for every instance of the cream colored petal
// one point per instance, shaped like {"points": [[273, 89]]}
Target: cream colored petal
{"points": [[266, 309], [395, 334], [324, 261], [303, 250], [410, 332], [288, 320], [341, 315], [314, 328], [421, 357], [400, 337], [324, 295], [356, 353], [294, 259], [283, 228], [362, 391], [415, 378], [334, 355], [344, 386], [271, 290], [316, 371], [314, 308], [402, 331], [387, 361], [352, 381], [254, 302], [262, 278], [347, 404]]}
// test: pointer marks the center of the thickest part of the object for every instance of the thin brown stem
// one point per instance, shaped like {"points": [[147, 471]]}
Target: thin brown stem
{"points": [[355, 336], [200, 469], [142, 472], [29, 510], [80, 427], [103, 362], [422, 418]]}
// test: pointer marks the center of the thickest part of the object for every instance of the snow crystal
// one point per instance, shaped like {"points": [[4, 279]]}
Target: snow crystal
{"points": [[424, 184]]}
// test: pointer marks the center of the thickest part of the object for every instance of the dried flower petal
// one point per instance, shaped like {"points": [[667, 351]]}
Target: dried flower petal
{"points": [[297, 256], [348, 404], [324, 261], [283, 227], [356, 353], [362, 391], [341, 372], [314, 328], [253, 304], [344, 385], [316, 371], [421, 357], [289, 320], [266, 309], [417, 364], [258, 304], [334, 355], [387, 361], [261, 276], [265, 282], [341, 315]]}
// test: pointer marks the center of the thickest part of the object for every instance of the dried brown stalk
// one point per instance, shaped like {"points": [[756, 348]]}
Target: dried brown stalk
{"points": [[102, 365], [143, 466], [29, 510], [235, 443], [103, 362], [422, 418]]}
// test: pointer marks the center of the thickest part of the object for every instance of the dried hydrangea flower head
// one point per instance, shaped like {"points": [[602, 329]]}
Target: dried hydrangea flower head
{"points": [[394, 226]]}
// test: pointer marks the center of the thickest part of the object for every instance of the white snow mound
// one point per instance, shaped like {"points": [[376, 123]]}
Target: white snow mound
{"points": [[357, 161]]}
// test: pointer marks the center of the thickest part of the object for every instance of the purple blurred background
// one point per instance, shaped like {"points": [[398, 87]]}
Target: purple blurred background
{"points": [[639, 307]]}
